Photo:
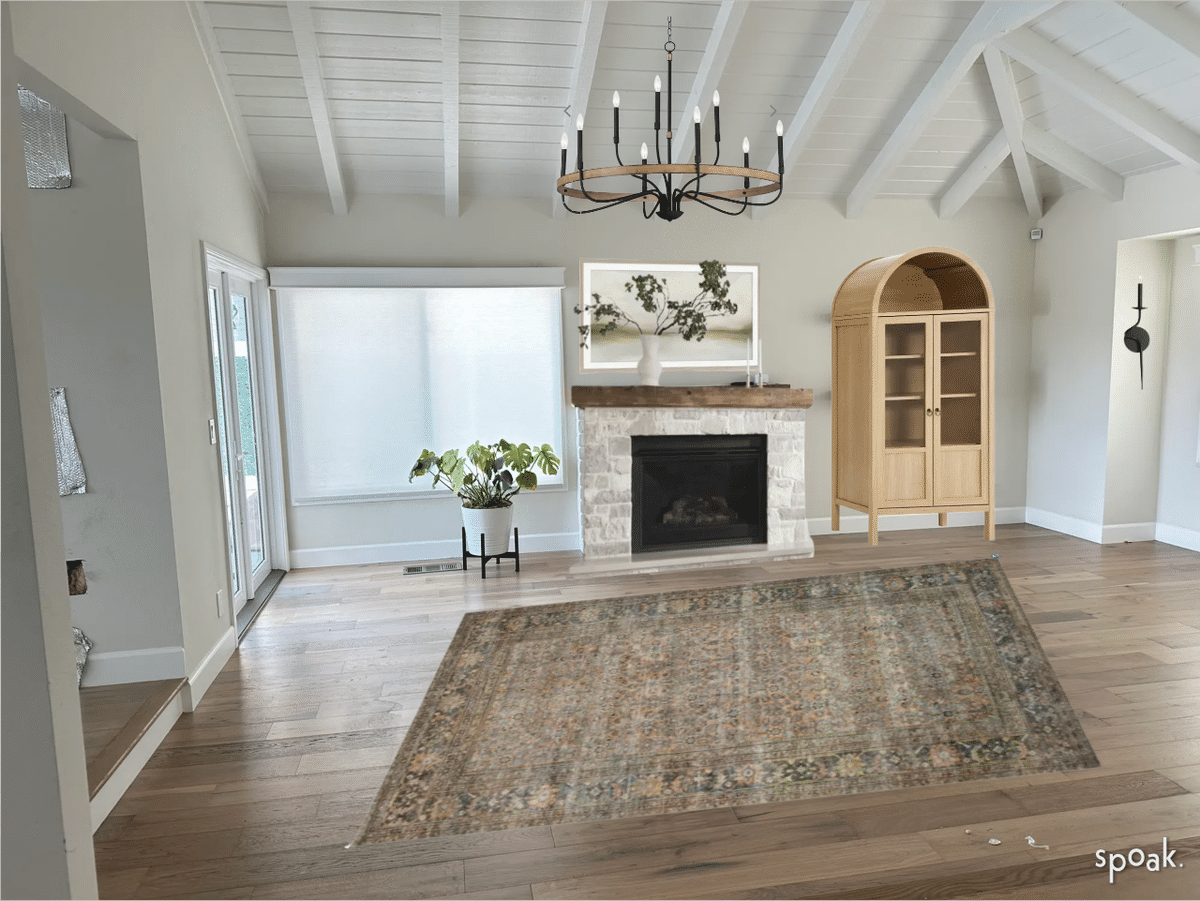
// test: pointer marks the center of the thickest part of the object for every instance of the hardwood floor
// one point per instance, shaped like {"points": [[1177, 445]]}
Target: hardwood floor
{"points": [[257, 794], [115, 717]]}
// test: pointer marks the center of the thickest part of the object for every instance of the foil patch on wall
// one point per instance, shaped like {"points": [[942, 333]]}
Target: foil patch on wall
{"points": [[83, 644], [71, 478], [47, 161]]}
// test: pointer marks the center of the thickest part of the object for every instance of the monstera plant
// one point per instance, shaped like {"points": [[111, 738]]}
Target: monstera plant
{"points": [[486, 479]]}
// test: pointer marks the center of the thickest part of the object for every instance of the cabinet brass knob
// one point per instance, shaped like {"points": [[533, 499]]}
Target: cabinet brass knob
{"points": [[928, 411], [937, 411]]}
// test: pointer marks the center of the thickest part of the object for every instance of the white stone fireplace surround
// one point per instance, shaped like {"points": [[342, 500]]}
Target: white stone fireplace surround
{"points": [[606, 462]]}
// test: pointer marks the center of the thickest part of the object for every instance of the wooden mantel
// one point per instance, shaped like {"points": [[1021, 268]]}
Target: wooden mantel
{"points": [[767, 397]]}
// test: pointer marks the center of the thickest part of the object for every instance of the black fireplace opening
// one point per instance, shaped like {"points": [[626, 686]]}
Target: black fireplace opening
{"points": [[698, 491]]}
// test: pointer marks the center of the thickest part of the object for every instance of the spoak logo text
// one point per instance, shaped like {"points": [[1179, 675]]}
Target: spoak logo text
{"points": [[1136, 857]]}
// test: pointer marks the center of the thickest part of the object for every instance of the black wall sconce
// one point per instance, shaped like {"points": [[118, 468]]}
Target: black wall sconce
{"points": [[1137, 339]]}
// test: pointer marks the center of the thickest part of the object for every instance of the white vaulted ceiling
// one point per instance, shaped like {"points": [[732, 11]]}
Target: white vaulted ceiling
{"points": [[879, 98]]}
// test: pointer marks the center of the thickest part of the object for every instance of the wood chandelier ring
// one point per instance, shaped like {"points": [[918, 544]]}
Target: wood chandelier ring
{"points": [[772, 179]]}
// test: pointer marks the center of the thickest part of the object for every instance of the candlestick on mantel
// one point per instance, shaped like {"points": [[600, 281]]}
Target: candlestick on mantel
{"points": [[747, 362]]}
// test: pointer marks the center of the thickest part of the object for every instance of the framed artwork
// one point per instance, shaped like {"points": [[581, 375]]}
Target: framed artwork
{"points": [[732, 341]]}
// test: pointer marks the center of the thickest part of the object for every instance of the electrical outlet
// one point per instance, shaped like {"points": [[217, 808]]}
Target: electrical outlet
{"points": [[212, 431], [220, 602]]}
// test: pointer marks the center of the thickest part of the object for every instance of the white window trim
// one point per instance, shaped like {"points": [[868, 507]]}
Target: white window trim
{"points": [[416, 277]]}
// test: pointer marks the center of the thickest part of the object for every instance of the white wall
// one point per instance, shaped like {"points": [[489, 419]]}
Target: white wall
{"points": [[804, 249], [1134, 402], [140, 67], [1072, 345], [1179, 467], [94, 284], [47, 834]]}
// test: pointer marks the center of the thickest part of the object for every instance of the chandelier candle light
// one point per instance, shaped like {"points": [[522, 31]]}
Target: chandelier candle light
{"points": [[656, 181]]}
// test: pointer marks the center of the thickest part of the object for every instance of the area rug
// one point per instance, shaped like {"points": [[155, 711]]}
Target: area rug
{"points": [[730, 696]]}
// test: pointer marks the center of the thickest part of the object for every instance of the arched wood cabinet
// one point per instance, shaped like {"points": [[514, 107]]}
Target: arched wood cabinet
{"points": [[913, 404]]}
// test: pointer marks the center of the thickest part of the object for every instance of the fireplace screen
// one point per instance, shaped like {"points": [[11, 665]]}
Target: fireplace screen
{"points": [[698, 491]]}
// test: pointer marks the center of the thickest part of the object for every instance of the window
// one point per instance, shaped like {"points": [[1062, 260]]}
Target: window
{"points": [[375, 373]]}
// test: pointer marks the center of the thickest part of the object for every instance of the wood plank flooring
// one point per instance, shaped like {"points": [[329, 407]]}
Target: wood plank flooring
{"points": [[257, 793], [115, 717]]}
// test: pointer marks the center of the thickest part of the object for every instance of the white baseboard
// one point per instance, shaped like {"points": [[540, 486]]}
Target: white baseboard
{"points": [[857, 522], [1115, 533], [142, 665], [1120, 532], [1178, 536], [1068, 525], [199, 681], [409, 551], [127, 770]]}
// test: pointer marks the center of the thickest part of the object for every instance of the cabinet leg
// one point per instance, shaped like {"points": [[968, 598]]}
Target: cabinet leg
{"points": [[942, 518], [835, 521], [873, 528], [989, 524]]}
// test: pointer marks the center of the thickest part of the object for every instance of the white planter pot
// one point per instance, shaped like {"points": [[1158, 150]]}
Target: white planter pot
{"points": [[495, 523]]}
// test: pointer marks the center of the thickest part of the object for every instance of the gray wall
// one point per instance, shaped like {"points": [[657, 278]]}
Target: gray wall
{"points": [[148, 78], [1073, 340], [94, 285], [804, 249], [1179, 467], [1134, 402]]}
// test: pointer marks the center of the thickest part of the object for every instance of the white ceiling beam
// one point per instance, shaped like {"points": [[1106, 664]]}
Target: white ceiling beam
{"points": [[842, 52], [974, 176], [451, 30], [1057, 154], [1172, 22], [591, 29], [1005, 88], [712, 65], [216, 65], [305, 35], [1079, 79], [991, 21]]}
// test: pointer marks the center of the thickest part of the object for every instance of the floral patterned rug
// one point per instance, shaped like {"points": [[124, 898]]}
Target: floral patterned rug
{"points": [[696, 699]]}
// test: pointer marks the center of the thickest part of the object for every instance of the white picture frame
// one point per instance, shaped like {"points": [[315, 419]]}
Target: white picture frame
{"points": [[732, 341]]}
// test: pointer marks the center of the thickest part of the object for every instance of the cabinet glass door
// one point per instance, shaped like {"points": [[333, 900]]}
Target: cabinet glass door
{"points": [[959, 382], [907, 411], [905, 380], [960, 411]]}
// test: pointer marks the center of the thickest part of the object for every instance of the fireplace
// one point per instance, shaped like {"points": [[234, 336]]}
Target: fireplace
{"points": [[692, 491], [611, 418]]}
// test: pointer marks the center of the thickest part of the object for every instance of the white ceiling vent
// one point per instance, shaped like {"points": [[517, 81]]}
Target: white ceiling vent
{"points": [[47, 164]]}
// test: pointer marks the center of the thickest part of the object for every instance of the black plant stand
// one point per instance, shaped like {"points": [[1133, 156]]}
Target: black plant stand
{"points": [[484, 556]]}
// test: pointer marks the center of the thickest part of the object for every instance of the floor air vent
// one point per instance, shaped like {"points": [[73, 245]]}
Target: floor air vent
{"points": [[448, 566]]}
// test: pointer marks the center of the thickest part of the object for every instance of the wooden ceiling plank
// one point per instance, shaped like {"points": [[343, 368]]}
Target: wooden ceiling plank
{"points": [[587, 46], [842, 52], [721, 39], [1126, 109], [1171, 22], [304, 33], [1070, 162], [451, 29], [1000, 72], [993, 20], [973, 177], [237, 124]]}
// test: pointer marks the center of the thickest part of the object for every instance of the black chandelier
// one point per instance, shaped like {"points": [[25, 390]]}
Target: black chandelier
{"points": [[656, 187]]}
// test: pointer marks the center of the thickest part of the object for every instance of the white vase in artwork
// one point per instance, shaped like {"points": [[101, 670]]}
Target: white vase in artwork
{"points": [[649, 368], [495, 523]]}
